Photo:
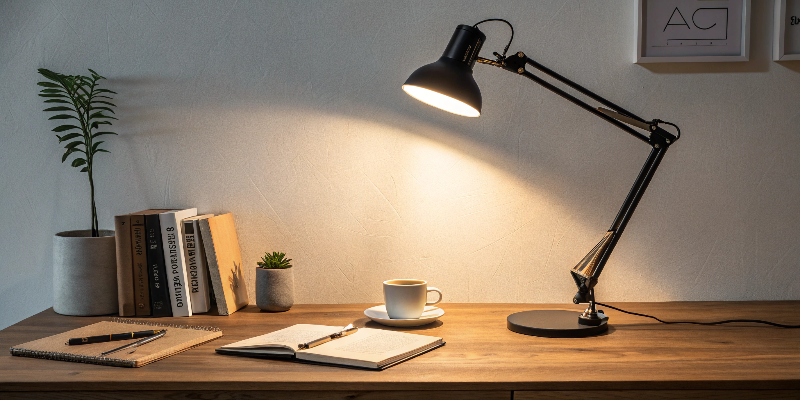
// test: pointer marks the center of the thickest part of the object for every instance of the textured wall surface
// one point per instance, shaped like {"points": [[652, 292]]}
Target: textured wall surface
{"points": [[290, 115]]}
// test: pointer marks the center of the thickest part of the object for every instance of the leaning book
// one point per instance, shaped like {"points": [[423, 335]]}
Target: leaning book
{"points": [[224, 259], [367, 348]]}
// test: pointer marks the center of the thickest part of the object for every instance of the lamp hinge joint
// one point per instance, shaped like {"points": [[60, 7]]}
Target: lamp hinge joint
{"points": [[515, 63], [660, 138]]}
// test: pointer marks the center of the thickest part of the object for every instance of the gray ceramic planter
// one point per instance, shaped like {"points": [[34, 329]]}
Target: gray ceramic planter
{"points": [[84, 273], [274, 289]]}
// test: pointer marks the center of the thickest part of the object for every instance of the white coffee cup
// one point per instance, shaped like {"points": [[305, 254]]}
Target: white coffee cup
{"points": [[407, 298]]}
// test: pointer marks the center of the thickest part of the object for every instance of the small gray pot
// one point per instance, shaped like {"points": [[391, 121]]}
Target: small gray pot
{"points": [[274, 289], [84, 273]]}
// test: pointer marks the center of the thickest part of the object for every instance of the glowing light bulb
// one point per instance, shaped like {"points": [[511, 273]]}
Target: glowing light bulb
{"points": [[441, 101]]}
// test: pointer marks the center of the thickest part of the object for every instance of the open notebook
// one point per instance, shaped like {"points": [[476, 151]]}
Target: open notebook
{"points": [[177, 339], [366, 348]]}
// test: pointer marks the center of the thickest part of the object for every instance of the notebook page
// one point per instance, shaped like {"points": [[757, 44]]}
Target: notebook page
{"points": [[288, 337], [367, 348]]}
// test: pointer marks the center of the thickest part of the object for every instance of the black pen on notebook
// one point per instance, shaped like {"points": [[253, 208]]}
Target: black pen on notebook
{"points": [[112, 337], [137, 343], [349, 329]]}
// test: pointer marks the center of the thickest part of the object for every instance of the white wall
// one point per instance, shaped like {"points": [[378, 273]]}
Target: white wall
{"points": [[290, 115]]}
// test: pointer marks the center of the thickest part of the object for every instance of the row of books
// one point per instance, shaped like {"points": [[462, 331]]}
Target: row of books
{"points": [[171, 263]]}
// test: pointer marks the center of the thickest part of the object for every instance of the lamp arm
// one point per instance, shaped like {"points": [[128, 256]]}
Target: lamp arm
{"points": [[585, 106], [589, 269], [579, 88], [591, 266], [516, 64]]}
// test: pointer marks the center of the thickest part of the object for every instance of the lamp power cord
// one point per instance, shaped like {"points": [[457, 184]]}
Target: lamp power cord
{"points": [[658, 121], [509, 40], [755, 321]]}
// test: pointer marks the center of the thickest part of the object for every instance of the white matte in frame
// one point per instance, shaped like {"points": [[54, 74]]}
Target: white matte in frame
{"points": [[779, 36], [640, 58]]}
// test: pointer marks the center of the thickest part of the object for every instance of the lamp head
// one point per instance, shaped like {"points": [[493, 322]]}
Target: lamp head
{"points": [[448, 83]]}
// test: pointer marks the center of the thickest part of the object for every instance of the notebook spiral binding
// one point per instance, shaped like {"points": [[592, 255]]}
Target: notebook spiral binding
{"points": [[52, 355], [137, 322]]}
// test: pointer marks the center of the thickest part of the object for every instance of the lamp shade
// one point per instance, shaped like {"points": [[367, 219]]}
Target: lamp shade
{"points": [[448, 83]]}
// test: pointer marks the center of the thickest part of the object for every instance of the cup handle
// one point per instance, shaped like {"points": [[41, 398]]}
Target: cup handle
{"points": [[433, 289]]}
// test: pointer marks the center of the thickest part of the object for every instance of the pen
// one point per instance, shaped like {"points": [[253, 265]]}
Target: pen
{"points": [[348, 330], [111, 337], [137, 343]]}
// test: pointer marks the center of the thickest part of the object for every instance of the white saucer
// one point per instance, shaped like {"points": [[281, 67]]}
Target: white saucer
{"points": [[378, 314]]}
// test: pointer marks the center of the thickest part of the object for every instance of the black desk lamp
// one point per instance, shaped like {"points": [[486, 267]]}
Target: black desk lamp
{"points": [[448, 84]]}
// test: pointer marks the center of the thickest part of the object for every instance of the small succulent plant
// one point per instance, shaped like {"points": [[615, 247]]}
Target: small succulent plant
{"points": [[274, 261]]}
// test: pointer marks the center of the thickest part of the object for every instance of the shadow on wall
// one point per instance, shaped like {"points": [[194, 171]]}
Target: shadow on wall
{"points": [[358, 201], [368, 184]]}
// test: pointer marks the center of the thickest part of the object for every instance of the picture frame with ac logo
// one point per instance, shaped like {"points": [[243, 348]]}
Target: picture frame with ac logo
{"points": [[692, 31]]}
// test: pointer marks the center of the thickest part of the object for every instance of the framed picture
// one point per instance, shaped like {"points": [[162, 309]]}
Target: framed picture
{"points": [[692, 30], [786, 40]]}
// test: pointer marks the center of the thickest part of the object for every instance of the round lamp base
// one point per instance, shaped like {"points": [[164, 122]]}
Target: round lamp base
{"points": [[552, 323]]}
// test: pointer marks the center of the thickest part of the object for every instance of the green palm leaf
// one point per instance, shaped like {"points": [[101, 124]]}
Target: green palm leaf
{"points": [[98, 123], [50, 74], [103, 102], [103, 133], [104, 108], [68, 137], [100, 114], [63, 116], [63, 128], [68, 152], [73, 144], [95, 74], [59, 108]]}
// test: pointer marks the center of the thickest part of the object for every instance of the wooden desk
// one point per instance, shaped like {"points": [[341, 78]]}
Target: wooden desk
{"points": [[482, 359]]}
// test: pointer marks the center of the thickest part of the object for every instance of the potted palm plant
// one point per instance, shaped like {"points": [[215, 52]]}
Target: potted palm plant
{"points": [[274, 283], [84, 261]]}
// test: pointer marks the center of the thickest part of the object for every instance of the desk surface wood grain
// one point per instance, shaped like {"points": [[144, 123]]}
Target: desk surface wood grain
{"points": [[480, 355]]}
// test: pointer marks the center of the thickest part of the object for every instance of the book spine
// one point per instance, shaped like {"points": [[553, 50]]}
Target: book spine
{"points": [[213, 267], [198, 286], [176, 266], [125, 276], [202, 266], [141, 276], [156, 269]]}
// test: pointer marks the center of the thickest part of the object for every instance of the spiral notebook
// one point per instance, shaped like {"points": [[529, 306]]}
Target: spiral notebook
{"points": [[178, 338]]}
